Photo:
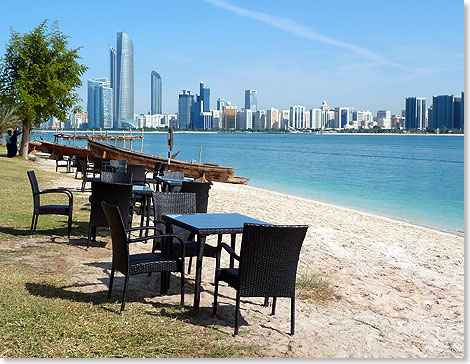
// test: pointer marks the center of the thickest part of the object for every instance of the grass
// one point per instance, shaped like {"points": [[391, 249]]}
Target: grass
{"points": [[46, 310], [17, 204], [312, 287]]}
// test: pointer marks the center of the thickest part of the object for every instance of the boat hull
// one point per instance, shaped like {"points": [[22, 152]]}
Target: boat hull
{"points": [[209, 172]]}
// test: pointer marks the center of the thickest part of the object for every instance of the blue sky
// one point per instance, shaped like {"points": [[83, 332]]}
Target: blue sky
{"points": [[369, 54]]}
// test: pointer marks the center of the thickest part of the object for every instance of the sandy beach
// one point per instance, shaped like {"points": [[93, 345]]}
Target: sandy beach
{"points": [[400, 287]]}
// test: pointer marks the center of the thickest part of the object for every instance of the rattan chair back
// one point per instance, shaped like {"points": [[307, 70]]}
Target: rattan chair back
{"points": [[116, 177], [138, 171], [269, 255], [201, 189]]}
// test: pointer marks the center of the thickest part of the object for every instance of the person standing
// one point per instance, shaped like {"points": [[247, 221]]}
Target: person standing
{"points": [[14, 142], [7, 139]]}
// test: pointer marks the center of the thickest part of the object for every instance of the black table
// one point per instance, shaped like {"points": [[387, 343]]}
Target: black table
{"points": [[168, 184], [209, 224], [146, 193]]}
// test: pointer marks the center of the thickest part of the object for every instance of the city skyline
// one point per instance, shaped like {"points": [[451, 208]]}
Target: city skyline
{"points": [[372, 65]]}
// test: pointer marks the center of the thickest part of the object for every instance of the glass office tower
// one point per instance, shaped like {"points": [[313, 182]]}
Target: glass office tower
{"points": [[122, 80], [155, 93], [100, 104], [251, 100]]}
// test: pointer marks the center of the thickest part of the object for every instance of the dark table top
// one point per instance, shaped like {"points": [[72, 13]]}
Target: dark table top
{"points": [[172, 181], [221, 223]]}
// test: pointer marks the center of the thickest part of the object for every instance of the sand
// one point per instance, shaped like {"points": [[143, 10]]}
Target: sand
{"points": [[400, 286]]}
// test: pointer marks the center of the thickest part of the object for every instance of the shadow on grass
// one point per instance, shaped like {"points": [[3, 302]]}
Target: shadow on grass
{"points": [[77, 228]]}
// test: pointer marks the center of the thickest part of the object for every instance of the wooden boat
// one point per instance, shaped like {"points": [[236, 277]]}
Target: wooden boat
{"points": [[59, 149], [205, 171]]}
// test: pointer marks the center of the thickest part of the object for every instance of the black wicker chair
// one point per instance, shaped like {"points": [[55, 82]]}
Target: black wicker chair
{"points": [[179, 203], [49, 209], [100, 165], [118, 165], [138, 171], [116, 177], [163, 167], [201, 189], [268, 260], [60, 162], [152, 180], [86, 171], [139, 263], [78, 165], [115, 194], [173, 174]]}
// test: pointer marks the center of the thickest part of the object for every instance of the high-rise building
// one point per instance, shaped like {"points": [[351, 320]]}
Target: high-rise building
{"points": [[197, 110], [315, 118], [185, 105], [284, 118], [297, 117], [272, 118], [259, 120], [251, 100], [443, 112], [245, 119], [384, 119], [155, 93], [415, 113], [205, 95], [122, 80], [230, 116], [220, 104], [100, 103], [216, 119]]}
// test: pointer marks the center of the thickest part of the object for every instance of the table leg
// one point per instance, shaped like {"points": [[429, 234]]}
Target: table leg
{"points": [[197, 286], [144, 201], [233, 240]]}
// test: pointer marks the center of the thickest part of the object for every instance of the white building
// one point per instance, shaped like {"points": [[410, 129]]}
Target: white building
{"points": [[297, 117], [315, 118], [216, 118]]}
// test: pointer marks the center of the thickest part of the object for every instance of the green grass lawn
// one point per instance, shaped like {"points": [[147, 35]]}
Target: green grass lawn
{"points": [[43, 312]]}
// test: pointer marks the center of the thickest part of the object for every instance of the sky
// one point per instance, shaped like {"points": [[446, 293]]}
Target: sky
{"points": [[367, 54]]}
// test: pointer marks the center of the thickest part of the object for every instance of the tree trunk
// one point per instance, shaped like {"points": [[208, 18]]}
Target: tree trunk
{"points": [[25, 139]]}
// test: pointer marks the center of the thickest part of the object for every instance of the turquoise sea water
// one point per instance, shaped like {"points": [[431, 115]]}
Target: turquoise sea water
{"points": [[415, 178]]}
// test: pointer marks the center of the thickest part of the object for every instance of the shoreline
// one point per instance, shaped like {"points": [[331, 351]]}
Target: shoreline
{"points": [[240, 132], [432, 228]]}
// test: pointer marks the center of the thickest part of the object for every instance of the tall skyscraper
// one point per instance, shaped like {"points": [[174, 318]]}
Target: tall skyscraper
{"points": [[197, 110], [185, 105], [251, 100], [205, 95], [443, 112], [100, 103], [122, 80], [415, 113], [155, 93]]}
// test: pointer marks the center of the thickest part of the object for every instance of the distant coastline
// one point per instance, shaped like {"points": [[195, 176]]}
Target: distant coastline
{"points": [[136, 131]]}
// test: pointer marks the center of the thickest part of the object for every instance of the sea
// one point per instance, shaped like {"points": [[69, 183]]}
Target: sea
{"points": [[414, 178]]}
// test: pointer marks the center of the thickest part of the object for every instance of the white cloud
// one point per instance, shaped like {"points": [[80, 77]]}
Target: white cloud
{"points": [[306, 32]]}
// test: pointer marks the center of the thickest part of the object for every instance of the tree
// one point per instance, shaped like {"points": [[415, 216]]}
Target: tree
{"points": [[38, 76], [8, 119]]}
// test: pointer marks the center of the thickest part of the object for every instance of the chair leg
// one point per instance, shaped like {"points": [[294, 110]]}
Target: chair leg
{"points": [[69, 230], [274, 306], [93, 229], [292, 315], [189, 264], [266, 302], [126, 281], [36, 222], [111, 280], [182, 286], [237, 313], [83, 186], [32, 224]]}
